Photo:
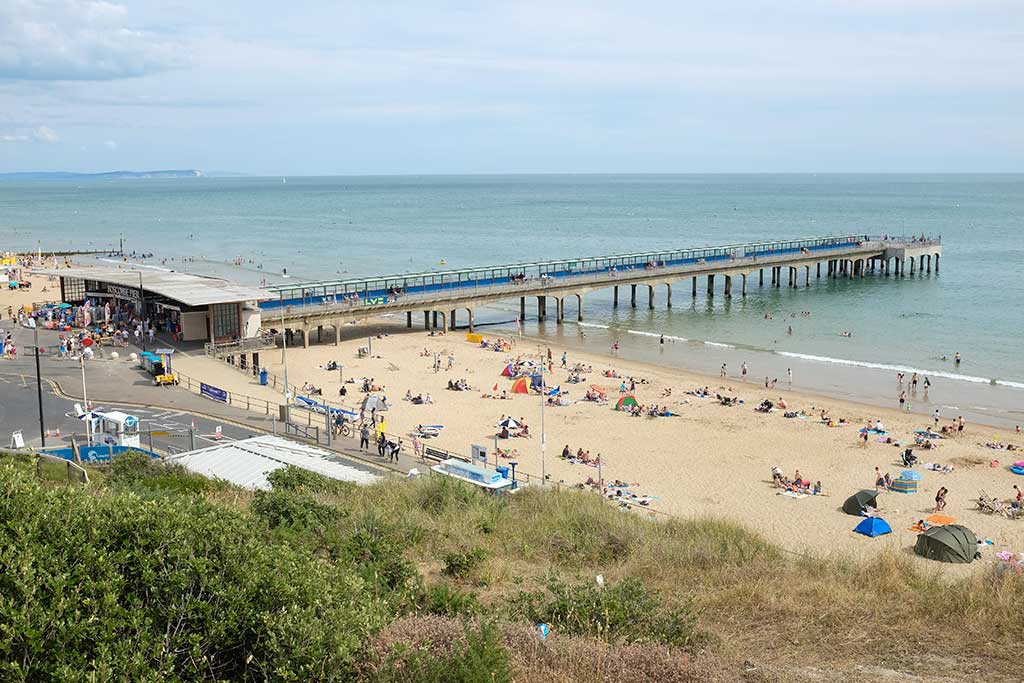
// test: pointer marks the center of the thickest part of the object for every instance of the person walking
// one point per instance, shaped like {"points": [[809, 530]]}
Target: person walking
{"points": [[364, 437], [936, 417], [381, 443], [903, 400], [940, 499], [565, 358]]}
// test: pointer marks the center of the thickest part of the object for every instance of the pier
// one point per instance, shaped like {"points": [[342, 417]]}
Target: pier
{"points": [[443, 297]]}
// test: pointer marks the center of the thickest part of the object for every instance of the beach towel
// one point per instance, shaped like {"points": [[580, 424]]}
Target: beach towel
{"points": [[793, 494], [872, 431], [940, 520]]}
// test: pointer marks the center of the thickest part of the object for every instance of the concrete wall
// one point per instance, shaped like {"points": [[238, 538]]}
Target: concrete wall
{"points": [[194, 326]]}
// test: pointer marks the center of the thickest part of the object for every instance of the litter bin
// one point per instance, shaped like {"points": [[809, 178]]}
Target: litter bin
{"points": [[263, 378]]}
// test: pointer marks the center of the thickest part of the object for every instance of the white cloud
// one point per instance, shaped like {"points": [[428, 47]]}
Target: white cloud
{"points": [[110, 144], [54, 40], [41, 134]]}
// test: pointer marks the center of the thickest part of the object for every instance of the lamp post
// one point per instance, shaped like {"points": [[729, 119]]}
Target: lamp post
{"points": [[39, 387], [543, 435], [142, 311], [85, 397], [284, 351]]}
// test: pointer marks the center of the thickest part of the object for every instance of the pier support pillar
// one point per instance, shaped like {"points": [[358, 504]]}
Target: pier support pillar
{"points": [[728, 285], [668, 295], [807, 276], [936, 264], [760, 275], [426, 320], [744, 285], [650, 296], [541, 305], [615, 296], [913, 262], [579, 308], [408, 318], [694, 280], [319, 333], [929, 263], [863, 265], [435, 320], [632, 296], [522, 309], [559, 309], [444, 321], [337, 334], [819, 270], [711, 286], [305, 338], [772, 283], [777, 276], [451, 321], [472, 317]]}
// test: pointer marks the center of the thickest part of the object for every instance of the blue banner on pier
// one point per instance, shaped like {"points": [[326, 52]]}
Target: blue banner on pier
{"points": [[213, 392]]}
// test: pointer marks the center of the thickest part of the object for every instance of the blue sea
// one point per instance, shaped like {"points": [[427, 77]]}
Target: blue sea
{"points": [[353, 226]]}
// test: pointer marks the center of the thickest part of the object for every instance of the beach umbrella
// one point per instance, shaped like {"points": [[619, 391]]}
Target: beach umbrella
{"points": [[63, 305], [510, 423], [911, 475], [626, 402], [952, 543], [855, 503]]}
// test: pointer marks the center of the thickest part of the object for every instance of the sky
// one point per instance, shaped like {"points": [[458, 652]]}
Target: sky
{"points": [[529, 86]]}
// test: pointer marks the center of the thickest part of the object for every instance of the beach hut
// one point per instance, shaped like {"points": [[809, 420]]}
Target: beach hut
{"points": [[520, 386], [873, 526], [626, 402], [856, 503], [953, 543]]}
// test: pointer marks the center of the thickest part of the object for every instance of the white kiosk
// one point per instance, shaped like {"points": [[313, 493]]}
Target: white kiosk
{"points": [[116, 428]]}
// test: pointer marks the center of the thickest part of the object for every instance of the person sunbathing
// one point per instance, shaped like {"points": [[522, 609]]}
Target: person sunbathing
{"points": [[524, 432]]}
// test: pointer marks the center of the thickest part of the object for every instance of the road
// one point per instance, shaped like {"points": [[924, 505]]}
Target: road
{"points": [[172, 419]]}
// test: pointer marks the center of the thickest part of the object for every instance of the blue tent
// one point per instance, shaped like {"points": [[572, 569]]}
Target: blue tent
{"points": [[536, 381], [911, 475], [873, 526]]}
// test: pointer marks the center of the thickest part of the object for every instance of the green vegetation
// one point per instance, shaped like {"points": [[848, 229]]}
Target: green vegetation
{"points": [[151, 573]]}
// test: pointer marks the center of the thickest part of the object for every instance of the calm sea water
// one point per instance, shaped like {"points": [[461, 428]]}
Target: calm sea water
{"points": [[329, 227]]}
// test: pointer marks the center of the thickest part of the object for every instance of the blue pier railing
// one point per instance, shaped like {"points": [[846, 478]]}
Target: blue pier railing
{"points": [[379, 290]]}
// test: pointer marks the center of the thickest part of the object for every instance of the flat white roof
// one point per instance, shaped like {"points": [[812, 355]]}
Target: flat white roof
{"points": [[188, 288], [247, 462]]}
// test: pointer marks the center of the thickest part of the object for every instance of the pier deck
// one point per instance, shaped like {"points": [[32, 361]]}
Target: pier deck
{"points": [[303, 306]]}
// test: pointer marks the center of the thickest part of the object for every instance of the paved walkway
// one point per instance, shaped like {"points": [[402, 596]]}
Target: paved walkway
{"points": [[111, 383]]}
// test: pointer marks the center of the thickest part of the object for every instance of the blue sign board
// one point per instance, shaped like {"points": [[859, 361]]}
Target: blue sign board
{"points": [[213, 392]]}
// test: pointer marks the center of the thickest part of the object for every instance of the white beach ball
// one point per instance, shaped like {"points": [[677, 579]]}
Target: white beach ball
{"points": [[133, 357], [114, 355]]}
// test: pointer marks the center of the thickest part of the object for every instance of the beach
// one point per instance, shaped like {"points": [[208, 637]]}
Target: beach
{"points": [[707, 460]]}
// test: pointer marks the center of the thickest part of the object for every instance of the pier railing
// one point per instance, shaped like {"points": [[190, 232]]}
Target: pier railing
{"points": [[378, 290], [461, 289]]}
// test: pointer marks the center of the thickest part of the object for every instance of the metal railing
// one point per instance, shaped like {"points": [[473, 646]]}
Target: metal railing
{"points": [[380, 290], [469, 290]]}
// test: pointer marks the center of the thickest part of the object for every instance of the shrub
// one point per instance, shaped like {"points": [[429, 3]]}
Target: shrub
{"points": [[461, 563], [116, 587], [447, 601], [294, 510], [626, 612], [375, 547], [140, 472], [297, 479], [439, 651]]}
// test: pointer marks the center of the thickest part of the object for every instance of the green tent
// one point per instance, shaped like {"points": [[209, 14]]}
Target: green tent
{"points": [[855, 504], [950, 543]]}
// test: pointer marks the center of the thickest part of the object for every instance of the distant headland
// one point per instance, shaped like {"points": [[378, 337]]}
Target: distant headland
{"points": [[109, 175]]}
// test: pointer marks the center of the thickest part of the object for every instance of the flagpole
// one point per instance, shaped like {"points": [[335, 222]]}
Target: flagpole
{"points": [[543, 434]]}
